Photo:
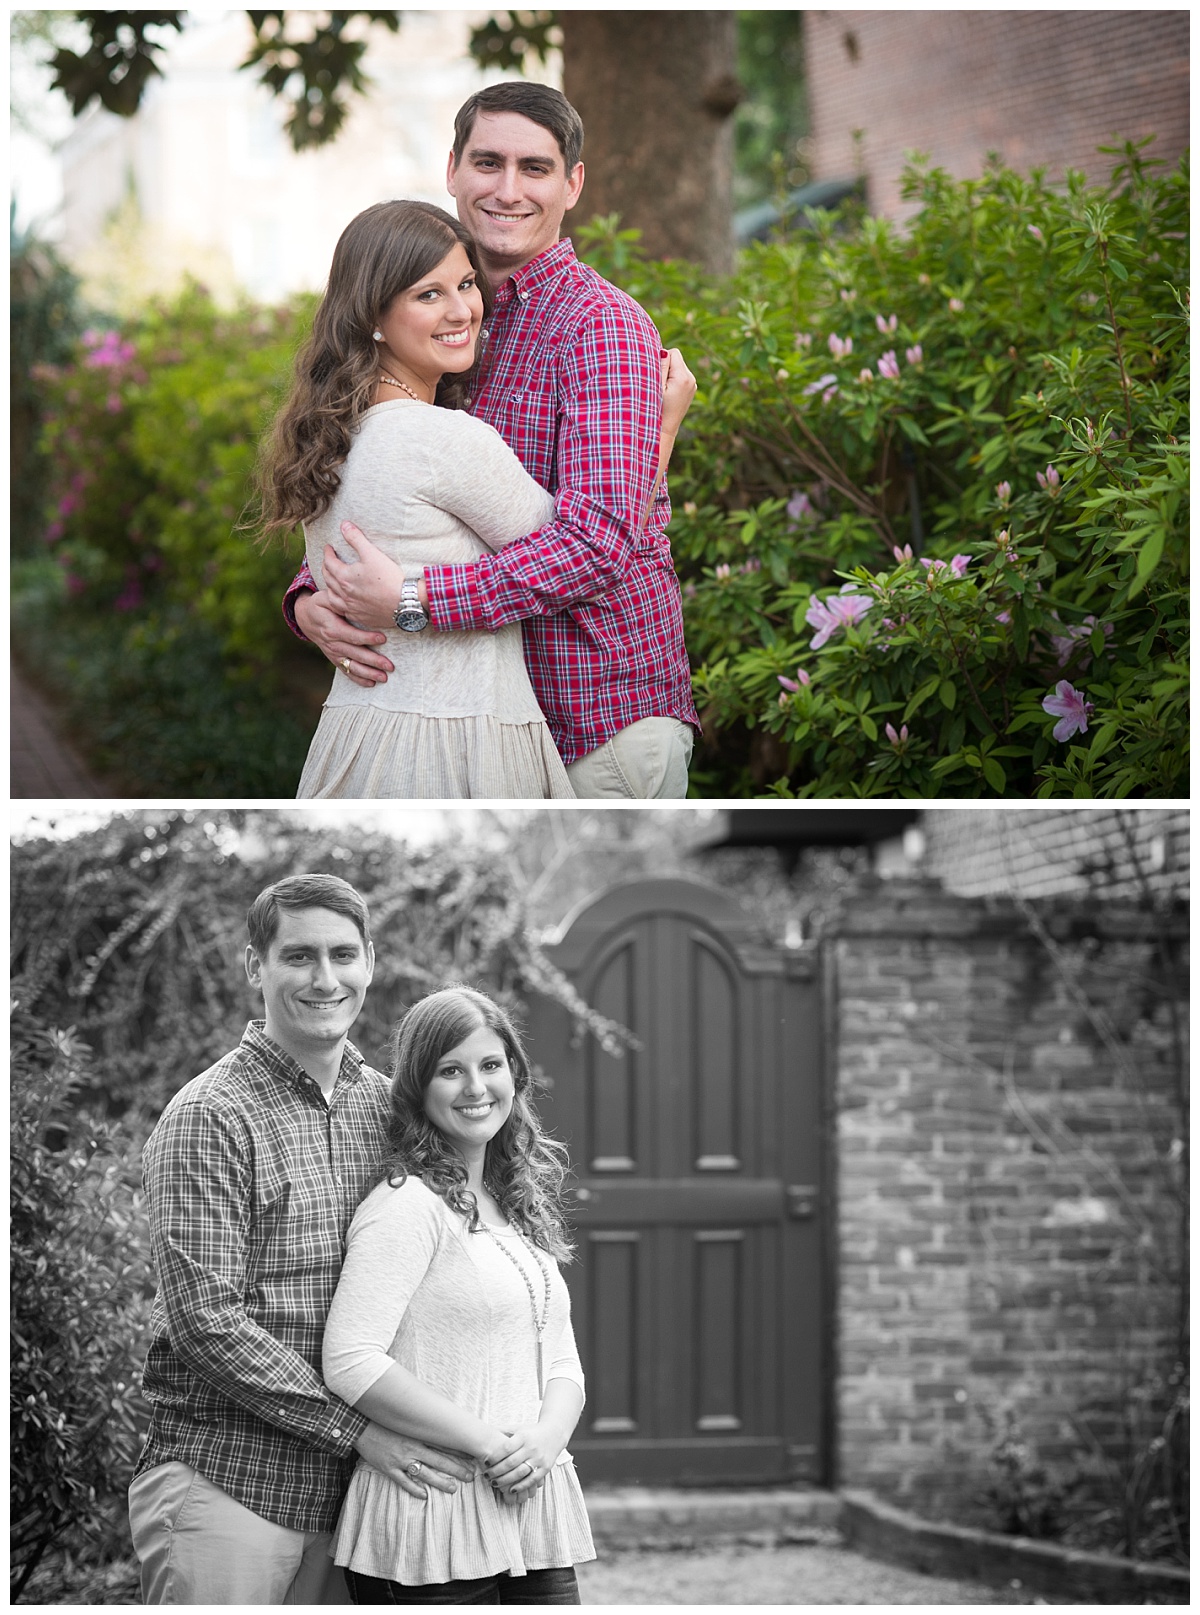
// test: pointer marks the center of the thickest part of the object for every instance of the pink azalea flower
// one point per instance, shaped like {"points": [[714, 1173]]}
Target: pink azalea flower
{"points": [[799, 508], [957, 566], [847, 294], [914, 355], [53, 533], [839, 348], [794, 684], [839, 611], [956, 305], [804, 339], [1069, 707], [888, 367], [1004, 616], [902, 555], [1049, 480], [1035, 232], [896, 739], [1003, 492], [866, 374], [721, 572], [884, 327], [1065, 643]]}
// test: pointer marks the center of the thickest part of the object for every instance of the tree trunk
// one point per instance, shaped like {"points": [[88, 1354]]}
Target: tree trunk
{"points": [[656, 91]]}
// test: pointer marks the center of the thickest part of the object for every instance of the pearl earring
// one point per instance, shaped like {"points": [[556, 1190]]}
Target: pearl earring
{"points": [[378, 335]]}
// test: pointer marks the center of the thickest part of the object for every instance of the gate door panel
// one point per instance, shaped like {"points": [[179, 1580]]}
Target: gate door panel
{"points": [[697, 1292]]}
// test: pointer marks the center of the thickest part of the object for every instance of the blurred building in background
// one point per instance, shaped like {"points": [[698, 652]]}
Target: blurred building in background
{"points": [[1041, 88], [203, 180]]}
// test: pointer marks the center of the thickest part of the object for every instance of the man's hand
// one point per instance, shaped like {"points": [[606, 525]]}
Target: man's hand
{"points": [[319, 620], [366, 591], [679, 388], [391, 1455]]}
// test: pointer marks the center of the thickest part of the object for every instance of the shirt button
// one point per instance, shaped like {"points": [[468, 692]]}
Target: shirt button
{"points": [[337, 1435]]}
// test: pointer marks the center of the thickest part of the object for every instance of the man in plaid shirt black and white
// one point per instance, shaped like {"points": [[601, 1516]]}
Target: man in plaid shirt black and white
{"points": [[252, 1176], [571, 380]]}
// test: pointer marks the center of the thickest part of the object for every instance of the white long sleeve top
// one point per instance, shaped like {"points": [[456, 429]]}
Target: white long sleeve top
{"points": [[418, 1289]]}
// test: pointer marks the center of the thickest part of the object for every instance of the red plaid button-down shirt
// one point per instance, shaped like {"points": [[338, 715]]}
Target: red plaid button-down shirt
{"points": [[571, 380], [251, 1181]]}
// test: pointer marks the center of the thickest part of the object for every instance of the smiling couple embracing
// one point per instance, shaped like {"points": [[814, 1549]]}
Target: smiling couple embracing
{"points": [[352, 1267], [475, 443]]}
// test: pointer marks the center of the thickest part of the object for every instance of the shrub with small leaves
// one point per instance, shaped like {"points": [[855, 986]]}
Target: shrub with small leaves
{"points": [[956, 452]]}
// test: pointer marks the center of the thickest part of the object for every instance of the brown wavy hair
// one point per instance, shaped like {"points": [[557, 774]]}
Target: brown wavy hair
{"points": [[524, 1167], [382, 252]]}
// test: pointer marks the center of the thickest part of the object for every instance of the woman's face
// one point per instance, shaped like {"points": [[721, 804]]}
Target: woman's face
{"points": [[470, 1096], [430, 329]]}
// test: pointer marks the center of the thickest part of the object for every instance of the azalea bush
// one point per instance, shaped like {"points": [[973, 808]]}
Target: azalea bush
{"points": [[151, 612], [931, 502], [152, 431]]}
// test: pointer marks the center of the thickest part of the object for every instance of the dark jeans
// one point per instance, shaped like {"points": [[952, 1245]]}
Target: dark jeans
{"points": [[538, 1587]]}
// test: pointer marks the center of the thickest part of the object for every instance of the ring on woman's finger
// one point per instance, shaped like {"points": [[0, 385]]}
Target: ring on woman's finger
{"points": [[346, 663], [414, 1469]]}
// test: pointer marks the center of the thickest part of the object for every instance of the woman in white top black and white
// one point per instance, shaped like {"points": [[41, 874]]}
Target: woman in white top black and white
{"points": [[451, 1323]]}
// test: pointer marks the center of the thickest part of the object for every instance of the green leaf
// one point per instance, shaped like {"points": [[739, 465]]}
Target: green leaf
{"points": [[869, 727], [1148, 558], [948, 694]]}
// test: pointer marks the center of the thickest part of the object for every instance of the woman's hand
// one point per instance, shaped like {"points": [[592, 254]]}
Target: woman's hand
{"points": [[345, 645], [366, 592], [679, 388], [524, 1461]]}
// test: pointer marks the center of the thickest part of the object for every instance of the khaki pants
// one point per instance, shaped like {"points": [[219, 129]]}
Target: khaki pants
{"points": [[648, 760], [197, 1545]]}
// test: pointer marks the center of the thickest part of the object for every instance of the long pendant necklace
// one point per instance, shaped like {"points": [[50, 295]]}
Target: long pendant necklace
{"points": [[539, 1326]]}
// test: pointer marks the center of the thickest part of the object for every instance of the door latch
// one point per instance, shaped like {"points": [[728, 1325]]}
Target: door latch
{"points": [[802, 1201]]}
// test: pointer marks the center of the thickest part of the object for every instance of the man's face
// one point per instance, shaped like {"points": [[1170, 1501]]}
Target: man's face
{"points": [[313, 979], [512, 189]]}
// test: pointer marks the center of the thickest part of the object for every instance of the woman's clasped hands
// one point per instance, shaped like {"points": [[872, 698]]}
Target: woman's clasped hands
{"points": [[520, 1464]]}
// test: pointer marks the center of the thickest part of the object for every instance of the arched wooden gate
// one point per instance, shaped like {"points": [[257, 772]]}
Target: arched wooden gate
{"points": [[697, 1296]]}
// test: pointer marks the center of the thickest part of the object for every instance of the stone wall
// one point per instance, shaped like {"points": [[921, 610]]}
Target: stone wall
{"points": [[1009, 1173], [1042, 88]]}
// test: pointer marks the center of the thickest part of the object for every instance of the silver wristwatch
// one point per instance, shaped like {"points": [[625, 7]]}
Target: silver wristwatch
{"points": [[410, 613]]}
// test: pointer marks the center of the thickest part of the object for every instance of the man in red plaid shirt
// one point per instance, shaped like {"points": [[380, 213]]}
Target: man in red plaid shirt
{"points": [[572, 382]]}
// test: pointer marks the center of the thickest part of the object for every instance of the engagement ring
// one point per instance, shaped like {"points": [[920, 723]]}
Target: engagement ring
{"points": [[414, 1469]]}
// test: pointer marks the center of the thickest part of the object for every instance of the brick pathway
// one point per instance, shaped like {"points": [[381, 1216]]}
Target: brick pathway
{"points": [[42, 763]]}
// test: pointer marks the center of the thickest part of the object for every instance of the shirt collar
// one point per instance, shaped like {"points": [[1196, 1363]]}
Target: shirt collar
{"points": [[279, 1063], [543, 270]]}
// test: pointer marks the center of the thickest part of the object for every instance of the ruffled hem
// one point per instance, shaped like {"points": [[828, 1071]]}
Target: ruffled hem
{"points": [[460, 1535], [367, 752]]}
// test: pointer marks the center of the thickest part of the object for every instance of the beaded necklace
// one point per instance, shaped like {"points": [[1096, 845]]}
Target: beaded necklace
{"points": [[539, 1326]]}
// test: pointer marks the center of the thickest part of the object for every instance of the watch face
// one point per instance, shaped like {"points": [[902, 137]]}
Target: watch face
{"points": [[411, 619]]}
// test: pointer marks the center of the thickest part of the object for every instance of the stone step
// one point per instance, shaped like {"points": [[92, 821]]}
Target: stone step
{"points": [[664, 1516]]}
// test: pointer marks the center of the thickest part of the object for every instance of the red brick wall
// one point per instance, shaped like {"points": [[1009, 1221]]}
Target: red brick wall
{"points": [[1043, 88], [1040, 851], [1009, 1237]]}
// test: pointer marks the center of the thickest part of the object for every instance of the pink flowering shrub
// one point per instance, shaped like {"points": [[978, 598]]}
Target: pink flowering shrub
{"points": [[151, 435], [995, 494]]}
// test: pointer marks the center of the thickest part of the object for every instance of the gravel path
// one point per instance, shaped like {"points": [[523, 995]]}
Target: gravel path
{"points": [[744, 1574]]}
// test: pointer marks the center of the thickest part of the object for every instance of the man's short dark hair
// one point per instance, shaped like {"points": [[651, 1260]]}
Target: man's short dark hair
{"points": [[537, 102], [303, 891]]}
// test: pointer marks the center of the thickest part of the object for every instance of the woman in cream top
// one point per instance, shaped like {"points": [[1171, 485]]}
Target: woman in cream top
{"points": [[451, 1323]]}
